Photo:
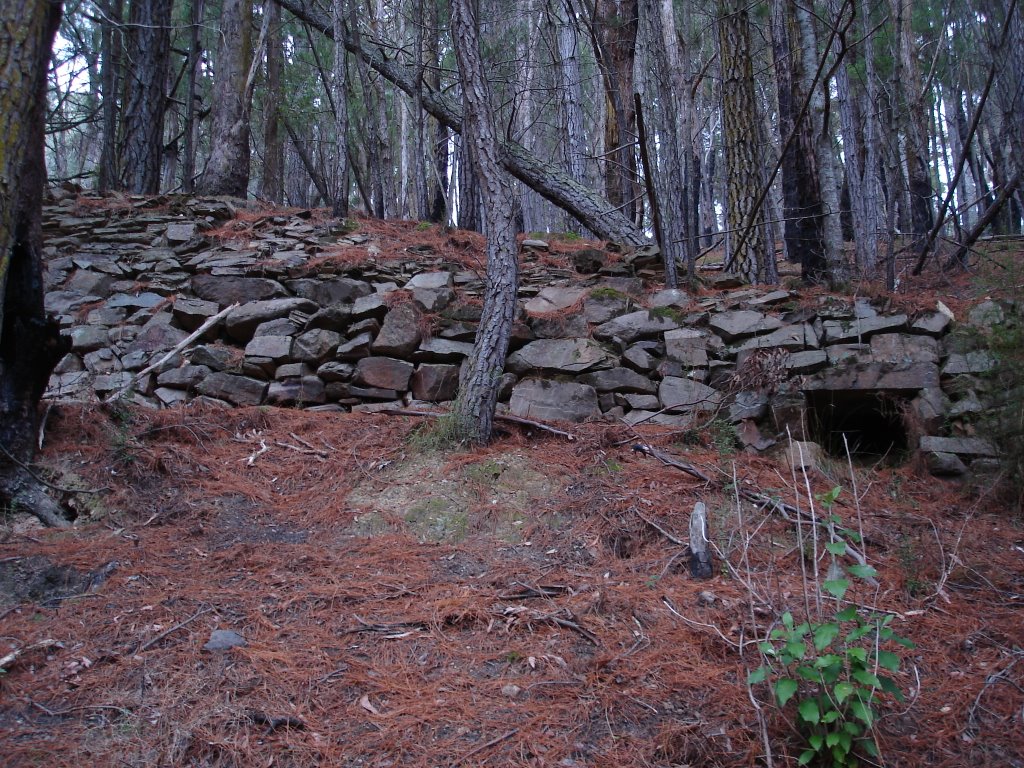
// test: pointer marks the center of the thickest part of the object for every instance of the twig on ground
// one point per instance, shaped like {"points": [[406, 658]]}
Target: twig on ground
{"points": [[701, 625], [497, 417], [482, 747], [147, 645], [659, 529]]}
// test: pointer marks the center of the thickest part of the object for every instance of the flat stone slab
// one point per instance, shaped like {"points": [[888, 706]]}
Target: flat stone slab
{"points": [[979, 361], [239, 390], [619, 380], [338, 290], [553, 299], [808, 361], [959, 446], [862, 329], [545, 400], [226, 290], [732, 326], [635, 326], [904, 348], [223, 640], [241, 322], [903, 377], [560, 355], [682, 395], [791, 337]]}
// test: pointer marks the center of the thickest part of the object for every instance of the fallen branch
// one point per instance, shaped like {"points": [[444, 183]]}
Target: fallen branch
{"points": [[210, 322], [498, 417], [659, 529], [42, 645], [664, 458]]}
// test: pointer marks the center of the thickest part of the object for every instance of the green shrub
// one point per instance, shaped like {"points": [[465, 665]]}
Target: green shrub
{"points": [[831, 667]]}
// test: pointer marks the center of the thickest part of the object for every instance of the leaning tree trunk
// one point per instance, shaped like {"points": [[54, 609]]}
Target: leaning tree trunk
{"points": [[594, 211], [227, 171], [478, 392], [148, 56], [30, 345]]}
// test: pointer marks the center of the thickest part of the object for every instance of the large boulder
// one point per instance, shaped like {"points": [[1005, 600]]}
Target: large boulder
{"points": [[400, 334], [383, 373]]}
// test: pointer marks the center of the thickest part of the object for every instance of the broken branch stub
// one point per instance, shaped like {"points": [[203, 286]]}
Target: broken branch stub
{"points": [[701, 566]]}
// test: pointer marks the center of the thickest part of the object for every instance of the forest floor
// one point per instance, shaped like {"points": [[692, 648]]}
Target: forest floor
{"points": [[527, 603]]}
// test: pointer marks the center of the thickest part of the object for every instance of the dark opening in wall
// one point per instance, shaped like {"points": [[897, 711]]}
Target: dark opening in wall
{"points": [[871, 420]]}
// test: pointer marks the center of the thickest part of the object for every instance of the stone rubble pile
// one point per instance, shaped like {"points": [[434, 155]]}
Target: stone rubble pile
{"points": [[130, 285]]}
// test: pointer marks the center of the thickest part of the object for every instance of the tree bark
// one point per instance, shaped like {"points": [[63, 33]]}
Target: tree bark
{"points": [[478, 391], [111, 49], [861, 175], [30, 344], [195, 49], [803, 212], [824, 152], [148, 50], [615, 24], [339, 86], [227, 171], [747, 254], [664, 166], [595, 212], [272, 180]]}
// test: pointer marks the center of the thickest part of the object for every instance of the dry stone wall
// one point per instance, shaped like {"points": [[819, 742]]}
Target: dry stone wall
{"points": [[596, 341]]}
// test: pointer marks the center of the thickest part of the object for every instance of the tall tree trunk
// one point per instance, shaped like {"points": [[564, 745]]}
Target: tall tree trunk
{"points": [[112, 48], [824, 152], [188, 162], [858, 136], [227, 171], [664, 166], [478, 392], [339, 202], [574, 138], [614, 26], [30, 344], [747, 254], [272, 180], [915, 130], [148, 50], [803, 212], [469, 206]]}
